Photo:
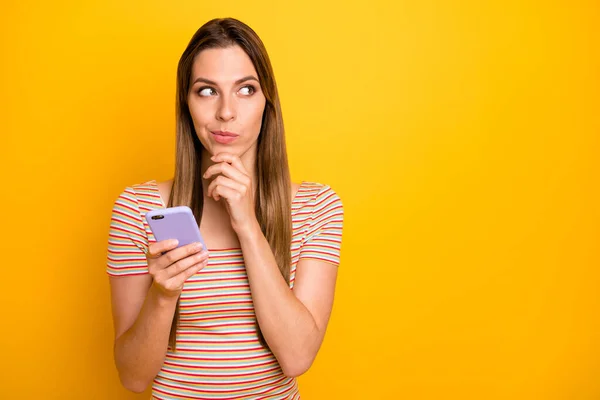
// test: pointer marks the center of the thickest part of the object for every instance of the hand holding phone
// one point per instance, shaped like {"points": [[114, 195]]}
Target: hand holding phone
{"points": [[172, 262], [170, 265]]}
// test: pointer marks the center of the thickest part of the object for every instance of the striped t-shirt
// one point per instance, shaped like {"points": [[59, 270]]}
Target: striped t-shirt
{"points": [[219, 355]]}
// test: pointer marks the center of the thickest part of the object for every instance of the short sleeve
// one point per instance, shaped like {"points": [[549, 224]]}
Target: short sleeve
{"points": [[324, 237], [127, 239]]}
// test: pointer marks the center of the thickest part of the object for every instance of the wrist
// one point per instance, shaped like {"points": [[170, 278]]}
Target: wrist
{"points": [[249, 232], [162, 299]]}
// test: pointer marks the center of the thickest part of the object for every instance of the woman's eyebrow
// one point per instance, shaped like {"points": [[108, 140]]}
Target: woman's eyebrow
{"points": [[246, 78]]}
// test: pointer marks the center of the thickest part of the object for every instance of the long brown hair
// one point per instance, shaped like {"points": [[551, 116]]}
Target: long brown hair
{"points": [[273, 192]]}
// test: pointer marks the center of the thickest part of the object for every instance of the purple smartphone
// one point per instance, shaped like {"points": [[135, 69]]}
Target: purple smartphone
{"points": [[175, 223]]}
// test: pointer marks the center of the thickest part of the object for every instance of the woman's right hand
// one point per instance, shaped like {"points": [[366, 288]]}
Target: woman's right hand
{"points": [[170, 270]]}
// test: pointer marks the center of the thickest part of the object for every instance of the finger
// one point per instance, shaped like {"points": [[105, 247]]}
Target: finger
{"points": [[227, 182], [156, 249], [226, 192], [185, 264], [231, 159], [179, 279], [227, 170], [180, 253]]}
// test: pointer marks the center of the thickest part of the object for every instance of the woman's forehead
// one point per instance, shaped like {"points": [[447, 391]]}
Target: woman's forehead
{"points": [[222, 65]]}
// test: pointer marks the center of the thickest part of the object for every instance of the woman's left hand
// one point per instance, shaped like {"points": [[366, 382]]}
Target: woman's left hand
{"points": [[234, 184]]}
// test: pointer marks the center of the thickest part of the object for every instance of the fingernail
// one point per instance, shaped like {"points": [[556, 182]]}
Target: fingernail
{"points": [[197, 246], [174, 242]]}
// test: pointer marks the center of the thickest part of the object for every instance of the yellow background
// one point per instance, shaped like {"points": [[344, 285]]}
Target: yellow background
{"points": [[462, 136]]}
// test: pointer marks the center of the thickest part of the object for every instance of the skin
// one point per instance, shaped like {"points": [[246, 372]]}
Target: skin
{"points": [[143, 306]]}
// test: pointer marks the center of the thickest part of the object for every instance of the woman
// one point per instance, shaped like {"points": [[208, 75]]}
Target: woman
{"points": [[246, 316]]}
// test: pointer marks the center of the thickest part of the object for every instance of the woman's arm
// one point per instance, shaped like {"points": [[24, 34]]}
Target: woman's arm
{"points": [[292, 322], [142, 318], [145, 282], [143, 307]]}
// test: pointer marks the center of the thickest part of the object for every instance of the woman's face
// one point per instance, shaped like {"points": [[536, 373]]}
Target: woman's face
{"points": [[225, 101]]}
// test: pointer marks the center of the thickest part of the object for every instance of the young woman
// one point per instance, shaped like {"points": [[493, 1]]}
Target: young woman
{"points": [[243, 318]]}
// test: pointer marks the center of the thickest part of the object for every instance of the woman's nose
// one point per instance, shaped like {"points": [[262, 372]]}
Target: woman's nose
{"points": [[226, 110]]}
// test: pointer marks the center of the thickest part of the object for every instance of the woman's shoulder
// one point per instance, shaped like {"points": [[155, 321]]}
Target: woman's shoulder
{"points": [[316, 188], [311, 193], [145, 195], [323, 207]]}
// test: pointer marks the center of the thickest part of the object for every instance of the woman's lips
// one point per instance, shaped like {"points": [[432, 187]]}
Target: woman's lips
{"points": [[224, 137]]}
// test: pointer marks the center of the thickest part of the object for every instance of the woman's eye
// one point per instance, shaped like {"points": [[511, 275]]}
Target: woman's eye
{"points": [[247, 90], [206, 91]]}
